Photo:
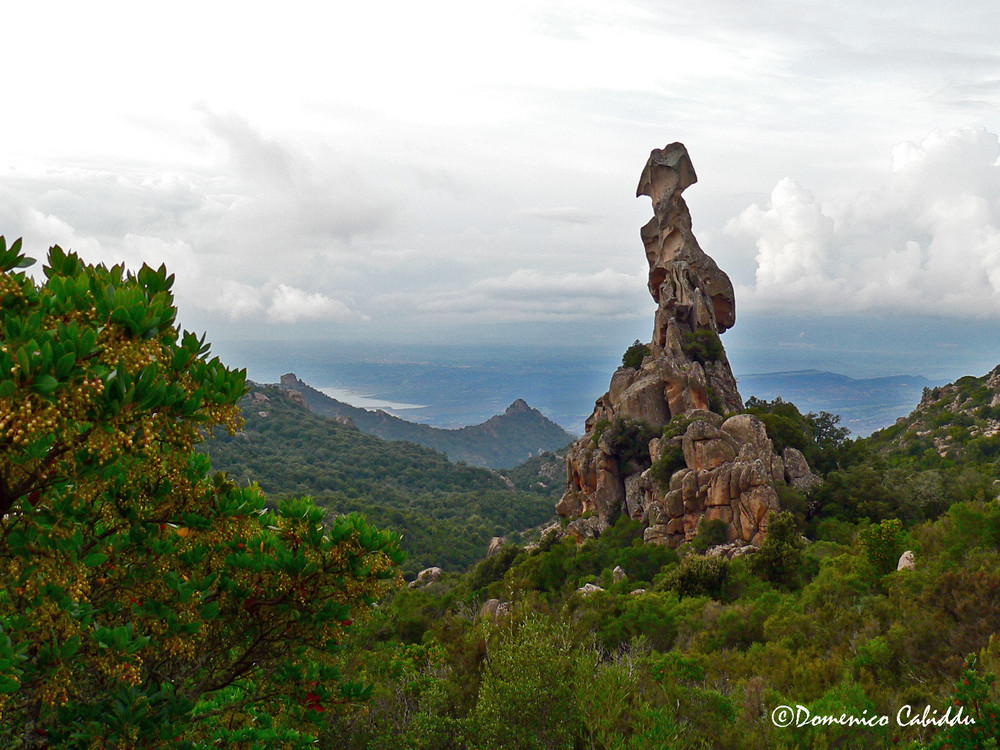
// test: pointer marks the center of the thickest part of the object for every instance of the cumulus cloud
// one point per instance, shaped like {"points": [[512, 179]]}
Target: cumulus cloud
{"points": [[235, 300], [793, 235], [290, 305], [264, 232], [926, 241]]}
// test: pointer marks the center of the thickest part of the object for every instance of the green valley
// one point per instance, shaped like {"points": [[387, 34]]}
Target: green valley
{"points": [[446, 512]]}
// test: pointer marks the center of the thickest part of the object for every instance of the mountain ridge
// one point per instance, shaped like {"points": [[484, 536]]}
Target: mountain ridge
{"points": [[503, 441]]}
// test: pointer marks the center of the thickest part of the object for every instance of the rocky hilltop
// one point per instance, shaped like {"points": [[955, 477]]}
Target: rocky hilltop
{"points": [[955, 422], [667, 443]]}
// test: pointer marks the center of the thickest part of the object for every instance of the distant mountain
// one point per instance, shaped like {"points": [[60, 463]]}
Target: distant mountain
{"points": [[446, 512], [502, 441], [864, 405]]}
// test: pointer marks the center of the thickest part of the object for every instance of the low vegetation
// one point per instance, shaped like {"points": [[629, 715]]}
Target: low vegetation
{"points": [[634, 355]]}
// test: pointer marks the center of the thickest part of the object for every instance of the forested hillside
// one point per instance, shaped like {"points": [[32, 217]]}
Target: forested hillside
{"points": [[635, 645], [446, 512], [503, 441]]}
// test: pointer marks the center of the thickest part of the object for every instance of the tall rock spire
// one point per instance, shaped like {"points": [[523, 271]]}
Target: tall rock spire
{"points": [[667, 442]]}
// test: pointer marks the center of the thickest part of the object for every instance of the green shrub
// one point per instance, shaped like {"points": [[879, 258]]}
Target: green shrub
{"points": [[670, 461], [699, 576], [600, 427], [628, 440], [975, 692], [492, 569], [140, 594], [710, 534], [703, 346], [676, 427], [880, 544], [779, 559], [524, 664], [633, 356]]}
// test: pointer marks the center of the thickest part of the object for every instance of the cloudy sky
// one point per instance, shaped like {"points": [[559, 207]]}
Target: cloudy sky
{"points": [[465, 171]]}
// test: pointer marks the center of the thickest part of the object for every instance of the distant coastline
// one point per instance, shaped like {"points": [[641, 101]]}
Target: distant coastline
{"points": [[453, 386]]}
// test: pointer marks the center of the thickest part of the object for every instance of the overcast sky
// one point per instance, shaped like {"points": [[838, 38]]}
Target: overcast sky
{"points": [[450, 171]]}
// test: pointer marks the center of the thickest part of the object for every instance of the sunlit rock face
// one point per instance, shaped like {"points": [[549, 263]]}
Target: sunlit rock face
{"points": [[725, 467]]}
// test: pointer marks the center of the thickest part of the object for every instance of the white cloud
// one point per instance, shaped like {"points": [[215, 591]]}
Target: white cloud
{"points": [[568, 214], [793, 235], [234, 299], [927, 241], [290, 305]]}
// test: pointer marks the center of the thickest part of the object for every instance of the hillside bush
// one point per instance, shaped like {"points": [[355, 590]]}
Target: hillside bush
{"points": [[628, 440], [710, 534], [698, 575], [880, 544], [779, 559], [671, 461]]}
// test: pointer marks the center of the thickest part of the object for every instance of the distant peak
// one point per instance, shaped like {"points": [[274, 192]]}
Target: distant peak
{"points": [[519, 406], [290, 380]]}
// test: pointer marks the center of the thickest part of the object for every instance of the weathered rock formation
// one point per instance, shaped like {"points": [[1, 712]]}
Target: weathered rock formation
{"points": [[494, 609], [496, 544], [907, 561], [426, 577], [667, 443]]}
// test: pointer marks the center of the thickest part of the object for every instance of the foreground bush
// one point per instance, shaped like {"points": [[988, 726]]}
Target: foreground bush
{"points": [[143, 603]]}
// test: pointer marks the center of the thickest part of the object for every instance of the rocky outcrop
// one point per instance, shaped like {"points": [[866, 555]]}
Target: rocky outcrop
{"points": [[731, 550], [797, 471], [496, 544], [667, 443], [906, 561], [494, 609], [728, 475], [426, 577], [344, 420]]}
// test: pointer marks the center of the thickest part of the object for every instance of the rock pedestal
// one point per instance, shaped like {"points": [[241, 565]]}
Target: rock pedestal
{"points": [[680, 409]]}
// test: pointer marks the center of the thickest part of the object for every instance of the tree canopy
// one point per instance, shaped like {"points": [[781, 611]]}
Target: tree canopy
{"points": [[144, 601]]}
